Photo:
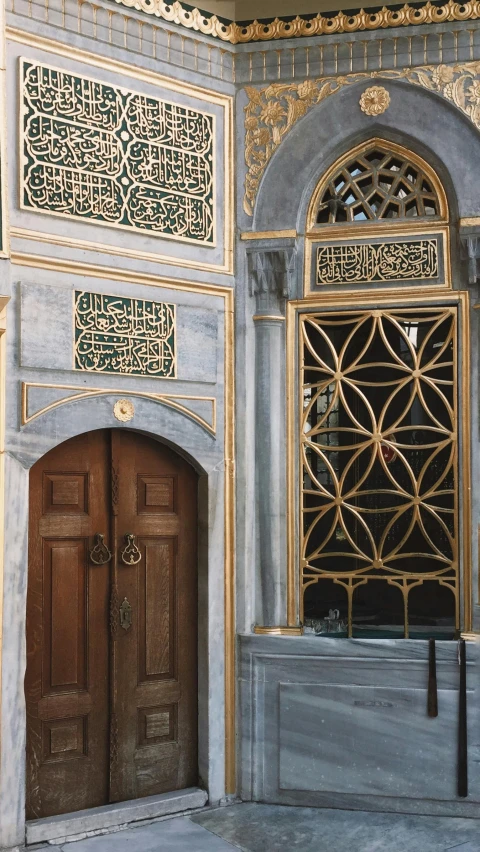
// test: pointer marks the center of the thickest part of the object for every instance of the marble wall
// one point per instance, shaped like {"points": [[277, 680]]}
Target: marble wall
{"points": [[343, 723]]}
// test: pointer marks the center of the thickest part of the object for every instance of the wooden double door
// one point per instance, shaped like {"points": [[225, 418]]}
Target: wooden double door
{"points": [[111, 681]]}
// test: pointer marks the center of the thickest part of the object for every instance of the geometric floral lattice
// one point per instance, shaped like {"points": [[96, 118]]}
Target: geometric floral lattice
{"points": [[379, 459], [95, 151], [377, 184], [116, 334]]}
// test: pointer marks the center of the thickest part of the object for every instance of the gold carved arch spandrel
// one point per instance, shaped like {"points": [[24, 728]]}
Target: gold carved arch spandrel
{"points": [[273, 111]]}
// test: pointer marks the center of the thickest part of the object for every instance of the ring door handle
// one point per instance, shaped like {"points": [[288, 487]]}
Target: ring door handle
{"points": [[100, 553], [130, 553]]}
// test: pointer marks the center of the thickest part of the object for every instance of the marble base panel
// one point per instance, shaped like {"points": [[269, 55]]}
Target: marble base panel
{"points": [[341, 723]]}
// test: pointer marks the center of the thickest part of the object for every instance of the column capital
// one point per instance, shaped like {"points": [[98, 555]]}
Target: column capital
{"points": [[271, 275], [470, 240]]}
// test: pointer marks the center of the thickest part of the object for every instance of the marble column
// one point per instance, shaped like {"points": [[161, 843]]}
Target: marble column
{"points": [[270, 273]]}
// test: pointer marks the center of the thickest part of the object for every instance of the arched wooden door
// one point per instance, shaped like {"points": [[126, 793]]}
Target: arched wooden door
{"points": [[111, 681]]}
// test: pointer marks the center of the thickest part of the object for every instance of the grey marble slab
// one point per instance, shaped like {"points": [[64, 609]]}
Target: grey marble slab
{"points": [[264, 828], [172, 835]]}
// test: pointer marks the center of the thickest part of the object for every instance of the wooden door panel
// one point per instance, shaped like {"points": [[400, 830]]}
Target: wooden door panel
{"points": [[156, 660], [64, 615], [66, 683], [156, 609]]}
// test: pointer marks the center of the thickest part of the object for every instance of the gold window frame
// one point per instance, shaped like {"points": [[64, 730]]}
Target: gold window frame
{"points": [[360, 300]]}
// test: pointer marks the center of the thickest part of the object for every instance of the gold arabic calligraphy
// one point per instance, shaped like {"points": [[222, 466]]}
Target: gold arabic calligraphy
{"points": [[114, 334], [94, 150], [408, 260]]}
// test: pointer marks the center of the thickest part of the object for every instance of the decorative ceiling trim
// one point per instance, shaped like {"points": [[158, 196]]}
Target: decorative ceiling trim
{"points": [[271, 112], [295, 27]]}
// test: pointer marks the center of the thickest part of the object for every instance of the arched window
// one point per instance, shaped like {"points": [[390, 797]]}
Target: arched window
{"points": [[378, 182]]}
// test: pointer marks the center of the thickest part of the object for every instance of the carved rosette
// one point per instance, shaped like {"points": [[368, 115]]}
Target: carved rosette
{"points": [[374, 100], [123, 410]]}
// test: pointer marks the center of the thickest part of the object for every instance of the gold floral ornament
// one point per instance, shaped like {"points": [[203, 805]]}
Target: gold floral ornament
{"points": [[123, 410], [374, 100], [273, 111]]}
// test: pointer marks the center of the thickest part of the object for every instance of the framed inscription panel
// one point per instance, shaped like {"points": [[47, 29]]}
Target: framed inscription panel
{"points": [[403, 260], [107, 154]]}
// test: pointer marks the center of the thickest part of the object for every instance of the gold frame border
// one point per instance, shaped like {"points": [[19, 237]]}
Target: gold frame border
{"points": [[278, 631], [358, 299], [341, 22], [227, 294], [5, 207], [152, 78], [88, 392], [268, 235]]}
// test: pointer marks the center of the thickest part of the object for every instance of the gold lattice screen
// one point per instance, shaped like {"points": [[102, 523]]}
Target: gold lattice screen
{"points": [[379, 458]]}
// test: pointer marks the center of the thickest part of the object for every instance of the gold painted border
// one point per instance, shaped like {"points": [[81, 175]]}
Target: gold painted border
{"points": [[227, 294], [278, 631], [158, 80], [87, 392], [268, 235], [3, 319], [266, 317], [5, 250], [104, 248], [79, 370], [358, 299], [349, 236], [341, 22]]}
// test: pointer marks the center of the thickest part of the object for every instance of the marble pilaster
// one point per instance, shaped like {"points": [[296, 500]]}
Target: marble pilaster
{"points": [[270, 274]]}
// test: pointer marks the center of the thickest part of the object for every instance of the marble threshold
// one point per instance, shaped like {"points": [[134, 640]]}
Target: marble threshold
{"points": [[59, 828]]}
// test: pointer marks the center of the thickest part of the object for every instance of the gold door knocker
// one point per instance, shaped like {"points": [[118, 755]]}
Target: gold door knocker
{"points": [[125, 615], [130, 554], [100, 553]]}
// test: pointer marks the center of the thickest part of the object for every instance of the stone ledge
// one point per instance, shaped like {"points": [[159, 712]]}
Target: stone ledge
{"points": [[109, 816]]}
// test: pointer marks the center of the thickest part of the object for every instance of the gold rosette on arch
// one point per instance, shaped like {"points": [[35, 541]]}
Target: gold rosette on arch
{"points": [[379, 449]]}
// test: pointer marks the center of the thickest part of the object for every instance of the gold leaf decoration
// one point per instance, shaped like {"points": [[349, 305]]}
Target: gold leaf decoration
{"points": [[195, 19], [374, 100], [274, 110]]}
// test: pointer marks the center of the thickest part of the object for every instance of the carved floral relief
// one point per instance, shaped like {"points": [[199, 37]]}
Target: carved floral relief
{"points": [[271, 112]]}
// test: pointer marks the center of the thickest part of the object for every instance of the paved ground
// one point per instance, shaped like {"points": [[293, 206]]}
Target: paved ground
{"points": [[265, 828]]}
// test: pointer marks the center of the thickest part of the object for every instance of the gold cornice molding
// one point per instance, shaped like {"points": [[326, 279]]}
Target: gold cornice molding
{"points": [[342, 22], [272, 111]]}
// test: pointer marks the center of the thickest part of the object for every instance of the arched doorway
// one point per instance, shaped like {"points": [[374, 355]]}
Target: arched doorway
{"points": [[111, 680]]}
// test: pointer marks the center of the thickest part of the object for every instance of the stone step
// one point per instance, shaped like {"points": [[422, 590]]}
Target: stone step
{"points": [[57, 828]]}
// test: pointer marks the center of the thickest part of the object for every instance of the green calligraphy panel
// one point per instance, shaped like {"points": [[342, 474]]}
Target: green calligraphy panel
{"points": [[358, 263], [115, 334], [95, 151]]}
